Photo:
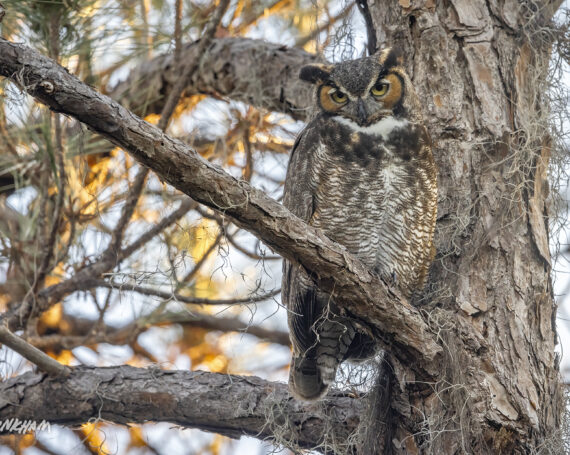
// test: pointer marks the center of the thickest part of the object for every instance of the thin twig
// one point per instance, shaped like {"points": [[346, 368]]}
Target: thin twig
{"points": [[370, 30], [186, 278], [247, 171], [326, 26], [33, 354], [65, 251], [268, 10], [49, 247], [246, 252], [230, 237], [191, 66], [126, 213], [146, 38], [77, 327], [88, 284], [42, 235], [52, 294], [178, 30], [186, 205]]}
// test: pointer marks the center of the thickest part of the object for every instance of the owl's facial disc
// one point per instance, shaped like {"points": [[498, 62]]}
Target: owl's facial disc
{"points": [[381, 98]]}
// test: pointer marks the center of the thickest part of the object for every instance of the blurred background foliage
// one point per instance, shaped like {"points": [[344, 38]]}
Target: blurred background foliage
{"points": [[189, 289]]}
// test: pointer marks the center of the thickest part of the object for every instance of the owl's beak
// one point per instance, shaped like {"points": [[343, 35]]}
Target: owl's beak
{"points": [[361, 112]]}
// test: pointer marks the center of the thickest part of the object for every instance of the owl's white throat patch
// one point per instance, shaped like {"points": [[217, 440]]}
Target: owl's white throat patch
{"points": [[382, 128]]}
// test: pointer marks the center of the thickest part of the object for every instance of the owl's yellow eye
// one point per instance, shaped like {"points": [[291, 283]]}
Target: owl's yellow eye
{"points": [[339, 97], [379, 89]]}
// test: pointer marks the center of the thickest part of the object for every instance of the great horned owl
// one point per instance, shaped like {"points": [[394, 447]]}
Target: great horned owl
{"points": [[362, 170]]}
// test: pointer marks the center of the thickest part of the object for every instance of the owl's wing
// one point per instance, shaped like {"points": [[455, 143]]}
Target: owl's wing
{"points": [[297, 194], [298, 291]]}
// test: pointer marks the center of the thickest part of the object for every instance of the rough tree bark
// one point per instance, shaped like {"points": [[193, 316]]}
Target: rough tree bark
{"points": [[193, 399], [487, 317], [230, 68], [479, 68]]}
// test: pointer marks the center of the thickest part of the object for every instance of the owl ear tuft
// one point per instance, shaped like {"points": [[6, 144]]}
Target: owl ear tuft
{"points": [[315, 73], [390, 57]]}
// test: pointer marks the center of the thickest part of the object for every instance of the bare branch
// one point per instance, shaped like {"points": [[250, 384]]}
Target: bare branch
{"points": [[207, 321], [200, 262], [49, 246], [185, 206], [325, 27], [245, 251], [111, 253], [33, 354], [253, 71], [105, 262], [84, 332], [226, 404], [93, 283], [370, 30], [190, 67], [177, 30], [401, 327]]}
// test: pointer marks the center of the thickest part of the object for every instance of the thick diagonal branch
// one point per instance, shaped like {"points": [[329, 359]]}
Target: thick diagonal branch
{"points": [[222, 403], [398, 324]]}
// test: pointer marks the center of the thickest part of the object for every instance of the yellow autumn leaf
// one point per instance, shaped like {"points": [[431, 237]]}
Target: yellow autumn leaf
{"points": [[27, 440], [202, 237], [217, 444], [65, 357], [52, 317], [55, 276], [152, 118], [204, 287], [216, 364], [95, 437], [137, 437]]}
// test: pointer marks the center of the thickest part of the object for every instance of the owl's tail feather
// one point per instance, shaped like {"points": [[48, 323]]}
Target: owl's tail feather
{"points": [[305, 380], [314, 371]]}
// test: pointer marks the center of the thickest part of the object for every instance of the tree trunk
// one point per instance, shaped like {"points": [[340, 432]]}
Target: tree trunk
{"points": [[479, 68]]}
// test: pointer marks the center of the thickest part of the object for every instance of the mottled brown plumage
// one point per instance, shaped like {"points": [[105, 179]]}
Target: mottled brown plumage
{"points": [[362, 170]]}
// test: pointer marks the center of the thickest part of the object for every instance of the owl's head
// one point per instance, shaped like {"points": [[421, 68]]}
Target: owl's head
{"points": [[363, 91]]}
